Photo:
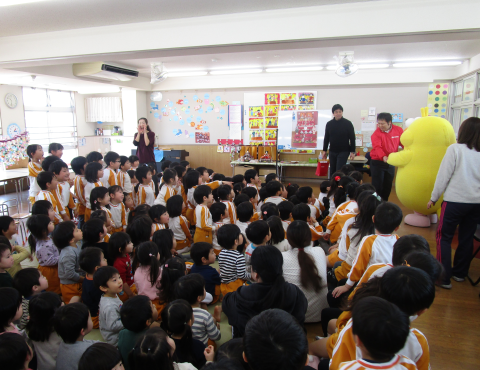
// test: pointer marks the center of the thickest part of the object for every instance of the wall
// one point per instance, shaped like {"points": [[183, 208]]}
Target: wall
{"points": [[406, 99], [7, 114]]}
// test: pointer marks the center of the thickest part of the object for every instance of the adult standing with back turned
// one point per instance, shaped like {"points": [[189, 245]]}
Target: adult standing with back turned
{"points": [[144, 141], [340, 134]]}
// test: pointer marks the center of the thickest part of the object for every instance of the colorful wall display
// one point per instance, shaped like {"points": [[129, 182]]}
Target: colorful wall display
{"points": [[437, 102], [304, 134], [263, 120]]}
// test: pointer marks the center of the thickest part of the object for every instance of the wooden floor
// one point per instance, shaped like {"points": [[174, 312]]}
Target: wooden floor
{"points": [[452, 325]]}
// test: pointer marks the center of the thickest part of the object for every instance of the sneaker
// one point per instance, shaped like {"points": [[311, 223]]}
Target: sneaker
{"points": [[446, 286], [458, 279], [318, 337]]}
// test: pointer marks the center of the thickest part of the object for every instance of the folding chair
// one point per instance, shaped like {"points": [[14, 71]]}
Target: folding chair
{"points": [[476, 236]]}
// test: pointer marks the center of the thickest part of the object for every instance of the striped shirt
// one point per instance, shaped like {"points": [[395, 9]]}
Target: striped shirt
{"points": [[33, 170], [232, 266], [204, 327], [109, 178]]}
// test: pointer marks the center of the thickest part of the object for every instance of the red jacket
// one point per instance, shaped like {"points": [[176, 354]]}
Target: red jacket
{"points": [[384, 143]]}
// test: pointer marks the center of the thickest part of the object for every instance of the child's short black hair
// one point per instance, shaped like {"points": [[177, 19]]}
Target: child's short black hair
{"points": [[285, 209], [31, 149], [114, 188], [217, 210], [292, 190], [201, 170], [180, 170], [100, 356], [94, 157], [250, 175], [41, 207], [301, 212], [388, 216], [323, 186], [44, 178], [103, 275], [57, 166], [135, 313], [224, 191], [91, 171], [245, 211], [142, 173], [200, 192], [270, 177], [173, 164], [123, 159], [69, 320], [48, 161], [227, 235], [5, 222], [273, 187], [257, 231], [25, 279], [156, 211], [92, 229], [14, 351], [99, 214], [54, 147], [347, 168], [133, 158], [304, 193], [406, 245], [356, 175], [200, 250], [90, 258], [10, 301], [238, 179], [218, 177], [381, 326], [131, 173], [164, 164], [251, 191], [184, 163], [78, 164], [190, 287], [110, 157], [240, 198], [262, 194], [174, 206], [210, 171], [117, 244], [140, 229], [63, 234]]}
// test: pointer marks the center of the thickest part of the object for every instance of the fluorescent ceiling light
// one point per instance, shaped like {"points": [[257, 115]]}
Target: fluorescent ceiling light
{"points": [[294, 69], [186, 74], [236, 71], [427, 64], [17, 2], [372, 66]]}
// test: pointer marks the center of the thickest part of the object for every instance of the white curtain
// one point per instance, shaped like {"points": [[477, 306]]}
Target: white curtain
{"points": [[107, 109]]}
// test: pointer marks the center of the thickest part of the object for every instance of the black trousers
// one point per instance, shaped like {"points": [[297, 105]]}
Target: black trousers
{"points": [[337, 160], [382, 177], [466, 216]]}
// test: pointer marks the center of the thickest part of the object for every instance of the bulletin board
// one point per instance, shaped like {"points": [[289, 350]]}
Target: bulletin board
{"points": [[189, 117], [262, 112]]}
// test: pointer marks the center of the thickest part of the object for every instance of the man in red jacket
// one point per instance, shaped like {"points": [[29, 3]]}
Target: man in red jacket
{"points": [[385, 140]]}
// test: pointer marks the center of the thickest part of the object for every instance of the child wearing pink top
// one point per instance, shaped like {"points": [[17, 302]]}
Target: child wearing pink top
{"points": [[148, 272]]}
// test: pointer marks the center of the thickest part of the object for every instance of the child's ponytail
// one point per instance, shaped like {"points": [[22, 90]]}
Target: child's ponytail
{"points": [[175, 318], [152, 351], [173, 270], [168, 175], [38, 227], [368, 201], [334, 183], [97, 193], [146, 256], [341, 193]]}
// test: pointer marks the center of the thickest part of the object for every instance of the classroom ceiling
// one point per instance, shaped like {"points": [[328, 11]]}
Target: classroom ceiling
{"points": [[57, 15]]}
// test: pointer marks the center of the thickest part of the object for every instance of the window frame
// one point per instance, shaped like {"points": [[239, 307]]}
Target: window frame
{"points": [[473, 104]]}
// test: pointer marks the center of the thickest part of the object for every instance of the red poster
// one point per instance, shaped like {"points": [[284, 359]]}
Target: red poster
{"points": [[304, 134], [202, 137]]}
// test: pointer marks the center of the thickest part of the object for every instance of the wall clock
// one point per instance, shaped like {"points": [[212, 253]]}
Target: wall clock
{"points": [[11, 100], [13, 129]]}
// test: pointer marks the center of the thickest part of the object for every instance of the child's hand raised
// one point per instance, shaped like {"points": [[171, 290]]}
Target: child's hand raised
{"points": [[209, 353]]}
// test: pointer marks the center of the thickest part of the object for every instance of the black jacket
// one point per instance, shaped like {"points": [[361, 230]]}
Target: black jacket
{"points": [[340, 135], [242, 305]]}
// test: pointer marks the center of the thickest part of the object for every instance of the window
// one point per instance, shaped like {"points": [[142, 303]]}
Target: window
{"points": [[465, 101], [50, 118]]}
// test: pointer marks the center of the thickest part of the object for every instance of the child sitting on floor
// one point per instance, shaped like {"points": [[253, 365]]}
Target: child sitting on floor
{"points": [[179, 224], [94, 232], [285, 211], [48, 185], [258, 233], [204, 224], [219, 214], [245, 213], [203, 256], [15, 353], [159, 216], [11, 309], [6, 262], [119, 247], [118, 211], [301, 212], [226, 195], [231, 261]]}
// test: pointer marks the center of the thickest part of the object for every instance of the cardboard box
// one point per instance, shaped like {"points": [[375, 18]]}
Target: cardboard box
{"points": [[240, 169], [266, 170]]}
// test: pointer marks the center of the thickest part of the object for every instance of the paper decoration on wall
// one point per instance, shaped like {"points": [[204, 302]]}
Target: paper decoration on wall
{"points": [[367, 136], [272, 99], [255, 123], [306, 107], [304, 133], [271, 111], [219, 148], [224, 103], [226, 149], [271, 122], [288, 98], [288, 107], [256, 137], [358, 139], [438, 95], [14, 149], [254, 111], [177, 132], [156, 96], [270, 135], [306, 98], [202, 137]]}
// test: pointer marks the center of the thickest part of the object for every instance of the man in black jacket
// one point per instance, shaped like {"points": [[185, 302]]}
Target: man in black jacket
{"points": [[340, 134]]}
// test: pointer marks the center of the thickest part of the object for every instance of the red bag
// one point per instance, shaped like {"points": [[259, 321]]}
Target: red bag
{"points": [[322, 168]]}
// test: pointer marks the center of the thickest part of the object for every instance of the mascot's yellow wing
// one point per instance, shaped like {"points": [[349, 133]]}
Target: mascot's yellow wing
{"points": [[400, 159]]}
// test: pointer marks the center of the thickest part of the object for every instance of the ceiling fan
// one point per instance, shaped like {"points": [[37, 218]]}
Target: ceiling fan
{"points": [[346, 65]]}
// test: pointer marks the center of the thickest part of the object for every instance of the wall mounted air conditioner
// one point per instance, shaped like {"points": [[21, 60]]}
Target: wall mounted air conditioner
{"points": [[104, 71]]}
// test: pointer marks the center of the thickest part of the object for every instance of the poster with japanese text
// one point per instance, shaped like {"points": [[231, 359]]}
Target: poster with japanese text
{"points": [[304, 134]]}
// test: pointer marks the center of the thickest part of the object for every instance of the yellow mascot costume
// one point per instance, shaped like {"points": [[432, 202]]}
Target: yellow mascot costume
{"points": [[426, 140]]}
